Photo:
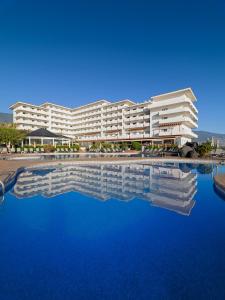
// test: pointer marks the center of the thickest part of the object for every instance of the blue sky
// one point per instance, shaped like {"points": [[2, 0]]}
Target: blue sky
{"points": [[75, 52]]}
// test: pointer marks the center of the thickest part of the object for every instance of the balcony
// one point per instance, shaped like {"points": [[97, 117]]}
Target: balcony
{"points": [[178, 110], [175, 131], [137, 125], [137, 118], [179, 119], [134, 111]]}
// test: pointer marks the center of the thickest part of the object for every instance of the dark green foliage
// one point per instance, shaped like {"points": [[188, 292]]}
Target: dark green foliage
{"points": [[136, 146], [10, 135], [204, 149]]}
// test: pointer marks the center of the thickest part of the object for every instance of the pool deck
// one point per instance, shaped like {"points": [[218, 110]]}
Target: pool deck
{"points": [[8, 168]]}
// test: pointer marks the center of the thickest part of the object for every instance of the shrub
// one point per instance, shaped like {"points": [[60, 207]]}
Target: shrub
{"points": [[96, 146], [136, 146], [76, 147], [124, 146], [49, 148], [106, 146], [204, 149]]}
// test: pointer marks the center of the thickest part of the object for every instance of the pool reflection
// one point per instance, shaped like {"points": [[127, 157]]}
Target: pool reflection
{"points": [[169, 186]]}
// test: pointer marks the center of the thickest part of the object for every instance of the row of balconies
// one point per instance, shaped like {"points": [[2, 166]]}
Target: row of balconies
{"points": [[78, 111], [134, 111], [178, 110], [87, 126], [113, 109], [61, 127], [30, 127], [179, 119], [62, 116], [107, 128], [58, 109], [120, 136], [95, 111], [158, 105], [109, 116], [30, 116], [111, 127], [31, 122], [136, 118], [116, 121], [86, 120], [174, 131], [31, 110], [61, 123], [136, 125]]}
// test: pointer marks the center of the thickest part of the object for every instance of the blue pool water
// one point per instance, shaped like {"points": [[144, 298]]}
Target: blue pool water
{"points": [[113, 232]]}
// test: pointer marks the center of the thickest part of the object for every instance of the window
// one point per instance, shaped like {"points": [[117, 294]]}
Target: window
{"points": [[164, 109]]}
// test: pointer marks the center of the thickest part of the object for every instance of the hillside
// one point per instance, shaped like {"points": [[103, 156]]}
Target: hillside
{"points": [[204, 135], [6, 118]]}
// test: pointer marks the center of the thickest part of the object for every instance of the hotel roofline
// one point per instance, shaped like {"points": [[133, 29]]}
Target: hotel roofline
{"points": [[187, 91]]}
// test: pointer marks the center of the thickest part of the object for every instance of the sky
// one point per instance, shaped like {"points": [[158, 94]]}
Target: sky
{"points": [[75, 52]]}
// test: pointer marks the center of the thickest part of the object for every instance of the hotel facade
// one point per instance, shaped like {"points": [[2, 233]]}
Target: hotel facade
{"points": [[166, 118]]}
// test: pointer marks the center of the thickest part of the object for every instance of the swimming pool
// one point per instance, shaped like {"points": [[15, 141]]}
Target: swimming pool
{"points": [[129, 231]]}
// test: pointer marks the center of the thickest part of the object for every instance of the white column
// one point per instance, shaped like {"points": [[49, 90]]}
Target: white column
{"points": [[29, 141], [41, 141]]}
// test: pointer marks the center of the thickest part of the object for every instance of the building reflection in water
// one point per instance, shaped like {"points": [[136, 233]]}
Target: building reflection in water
{"points": [[169, 186]]}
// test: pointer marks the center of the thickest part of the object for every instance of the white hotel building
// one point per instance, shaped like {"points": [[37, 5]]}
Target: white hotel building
{"points": [[164, 118]]}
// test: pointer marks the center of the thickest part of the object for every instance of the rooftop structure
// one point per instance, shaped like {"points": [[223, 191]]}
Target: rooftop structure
{"points": [[43, 136]]}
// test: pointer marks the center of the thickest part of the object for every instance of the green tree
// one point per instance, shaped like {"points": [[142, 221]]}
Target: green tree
{"points": [[204, 149], [11, 135]]}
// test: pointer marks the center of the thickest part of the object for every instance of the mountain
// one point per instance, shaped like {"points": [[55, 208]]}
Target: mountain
{"points": [[6, 118], [205, 135]]}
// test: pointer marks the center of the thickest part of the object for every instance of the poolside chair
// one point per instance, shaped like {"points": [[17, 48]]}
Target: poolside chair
{"points": [[13, 150], [31, 150], [42, 150], [4, 150], [25, 150], [18, 150]]}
